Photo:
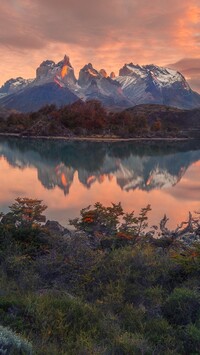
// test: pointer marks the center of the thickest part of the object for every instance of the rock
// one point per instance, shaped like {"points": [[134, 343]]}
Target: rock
{"points": [[126, 69], [84, 239], [65, 61], [103, 73], [87, 74], [62, 73], [8, 219], [56, 228], [44, 68], [112, 75]]}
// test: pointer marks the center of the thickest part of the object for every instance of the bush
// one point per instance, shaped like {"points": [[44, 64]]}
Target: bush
{"points": [[112, 222], [132, 318], [182, 306], [191, 339], [128, 343], [12, 344], [160, 333], [65, 322]]}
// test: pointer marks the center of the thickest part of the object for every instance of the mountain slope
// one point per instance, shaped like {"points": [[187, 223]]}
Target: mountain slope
{"points": [[33, 98]]}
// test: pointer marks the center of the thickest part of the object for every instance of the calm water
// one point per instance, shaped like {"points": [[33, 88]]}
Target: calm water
{"points": [[68, 176]]}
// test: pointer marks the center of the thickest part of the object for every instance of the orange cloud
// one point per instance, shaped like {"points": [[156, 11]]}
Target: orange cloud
{"points": [[108, 36]]}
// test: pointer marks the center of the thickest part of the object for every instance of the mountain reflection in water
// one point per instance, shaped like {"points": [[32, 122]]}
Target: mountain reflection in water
{"points": [[132, 166]]}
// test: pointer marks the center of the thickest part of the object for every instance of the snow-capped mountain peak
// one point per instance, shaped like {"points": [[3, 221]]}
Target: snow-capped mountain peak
{"points": [[136, 84], [160, 75], [154, 84], [13, 85]]}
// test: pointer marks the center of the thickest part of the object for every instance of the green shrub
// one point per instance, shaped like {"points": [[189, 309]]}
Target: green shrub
{"points": [[182, 306], [154, 296], [13, 312], [161, 334], [66, 322], [191, 339], [133, 319], [128, 343]]}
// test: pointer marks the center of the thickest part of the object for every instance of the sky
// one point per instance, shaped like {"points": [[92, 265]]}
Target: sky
{"points": [[106, 33]]}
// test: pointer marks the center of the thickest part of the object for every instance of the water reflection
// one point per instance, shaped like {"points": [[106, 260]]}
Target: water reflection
{"points": [[131, 166], [134, 165]]}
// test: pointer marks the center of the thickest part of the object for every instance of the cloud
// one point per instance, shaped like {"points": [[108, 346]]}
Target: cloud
{"points": [[108, 34], [16, 29], [190, 67]]}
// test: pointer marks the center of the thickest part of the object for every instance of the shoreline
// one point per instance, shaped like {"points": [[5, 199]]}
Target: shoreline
{"points": [[97, 138]]}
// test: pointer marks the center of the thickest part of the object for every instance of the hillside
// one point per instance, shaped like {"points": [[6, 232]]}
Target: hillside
{"points": [[168, 116], [89, 119]]}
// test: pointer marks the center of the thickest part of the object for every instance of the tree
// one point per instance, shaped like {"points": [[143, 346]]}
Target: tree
{"points": [[28, 212], [101, 219], [112, 221], [156, 126]]}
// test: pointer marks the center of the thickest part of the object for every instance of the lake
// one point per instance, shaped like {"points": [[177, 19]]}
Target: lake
{"points": [[69, 175]]}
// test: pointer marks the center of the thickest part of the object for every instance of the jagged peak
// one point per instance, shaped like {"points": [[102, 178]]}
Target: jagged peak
{"points": [[51, 64], [128, 69], [47, 63], [89, 69], [12, 80], [14, 84], [65, 61], [112, 75], [135, 84], [103, 73]]}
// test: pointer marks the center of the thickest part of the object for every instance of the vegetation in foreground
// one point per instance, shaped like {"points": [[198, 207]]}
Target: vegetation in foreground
{"points": [[90, 118], [109, 287]]}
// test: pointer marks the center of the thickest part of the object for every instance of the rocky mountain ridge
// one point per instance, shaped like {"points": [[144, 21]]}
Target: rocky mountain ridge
{"points": [[135, 84]]}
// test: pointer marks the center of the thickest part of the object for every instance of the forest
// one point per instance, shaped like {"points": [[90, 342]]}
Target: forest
{"points": [[90, 118]]}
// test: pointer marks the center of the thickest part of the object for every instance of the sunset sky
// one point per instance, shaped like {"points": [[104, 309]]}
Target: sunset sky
{"points": [[106, 33]]}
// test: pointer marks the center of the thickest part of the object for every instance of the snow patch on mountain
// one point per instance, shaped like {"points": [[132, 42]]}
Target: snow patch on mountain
{"points": [[162, 77]]}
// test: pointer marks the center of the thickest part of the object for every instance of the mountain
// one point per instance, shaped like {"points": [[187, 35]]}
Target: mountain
{"points": [[156, 85], [61, 73], [54, 84], [135, 85], [98, 85], [35, 97]]}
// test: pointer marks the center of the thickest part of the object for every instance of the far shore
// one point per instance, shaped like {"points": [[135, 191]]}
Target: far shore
{"points": [[96, 138]]}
